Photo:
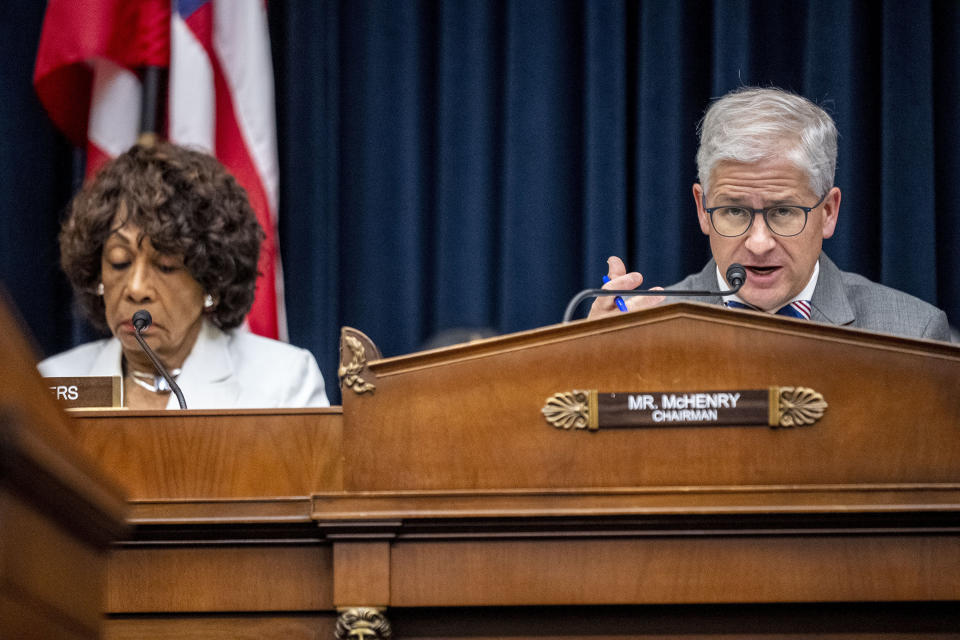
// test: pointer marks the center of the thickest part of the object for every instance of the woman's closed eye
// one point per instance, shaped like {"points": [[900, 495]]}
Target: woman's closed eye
{"points": [[168, 265]]}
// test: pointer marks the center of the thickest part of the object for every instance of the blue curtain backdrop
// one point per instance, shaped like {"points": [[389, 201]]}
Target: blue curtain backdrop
{"points": [[474, 162]]}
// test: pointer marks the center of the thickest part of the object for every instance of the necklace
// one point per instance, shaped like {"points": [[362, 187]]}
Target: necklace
{"points": [[153, 382]]}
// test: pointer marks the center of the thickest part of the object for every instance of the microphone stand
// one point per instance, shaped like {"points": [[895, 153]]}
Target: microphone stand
{"points": [[139, 324], [735, 275]]}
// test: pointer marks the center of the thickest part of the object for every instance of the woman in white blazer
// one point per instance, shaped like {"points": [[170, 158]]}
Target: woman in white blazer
{"points": [[168, 230]]}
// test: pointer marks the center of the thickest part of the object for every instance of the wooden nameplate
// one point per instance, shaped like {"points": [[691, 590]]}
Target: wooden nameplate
{"points": [[87, 392]]}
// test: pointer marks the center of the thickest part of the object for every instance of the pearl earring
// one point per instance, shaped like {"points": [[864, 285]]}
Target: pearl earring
{"points": [[100, 289], [208, 301]]}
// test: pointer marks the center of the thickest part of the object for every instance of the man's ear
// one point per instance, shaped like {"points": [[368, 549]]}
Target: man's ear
{"points": [[702, 215], [831, 211]]}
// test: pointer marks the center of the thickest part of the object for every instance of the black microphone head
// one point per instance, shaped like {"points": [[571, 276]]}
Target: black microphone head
{"points": [[142, 319], [736, 275]]}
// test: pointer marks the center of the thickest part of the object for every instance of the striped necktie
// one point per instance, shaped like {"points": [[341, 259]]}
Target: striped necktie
{"points": [[796, 309]]}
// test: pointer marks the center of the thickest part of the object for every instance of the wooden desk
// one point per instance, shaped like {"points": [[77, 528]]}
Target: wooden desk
{"points": [[443, 499], [58, 512]]}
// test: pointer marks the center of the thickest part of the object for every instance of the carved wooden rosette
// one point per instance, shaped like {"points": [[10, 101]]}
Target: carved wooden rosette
{"points": [[798, 406], [355, 350], [575, 409], [363, 623]]}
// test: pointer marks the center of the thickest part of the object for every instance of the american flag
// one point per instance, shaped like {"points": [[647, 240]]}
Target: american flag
{"points": [[89, 77]]}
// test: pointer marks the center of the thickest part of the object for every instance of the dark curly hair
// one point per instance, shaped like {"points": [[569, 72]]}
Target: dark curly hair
{"points": [[188, 205]]}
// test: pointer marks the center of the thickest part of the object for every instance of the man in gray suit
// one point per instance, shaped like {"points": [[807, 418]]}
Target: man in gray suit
{"points": [[766, 200]]}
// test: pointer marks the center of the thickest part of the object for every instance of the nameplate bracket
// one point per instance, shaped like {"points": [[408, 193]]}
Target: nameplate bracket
{"points": [[591, 410]]}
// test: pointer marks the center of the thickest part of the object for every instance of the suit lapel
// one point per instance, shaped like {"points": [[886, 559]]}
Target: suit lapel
{"points": [[207, 378], [706, 280], [830, 303], [109, 361]]}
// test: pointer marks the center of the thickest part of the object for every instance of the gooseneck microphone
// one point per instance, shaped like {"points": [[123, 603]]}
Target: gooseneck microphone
{"points": [[141, 320], [736, 276]]}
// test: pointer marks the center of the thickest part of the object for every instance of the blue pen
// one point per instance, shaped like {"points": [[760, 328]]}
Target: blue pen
{"points": [[620, 303]]}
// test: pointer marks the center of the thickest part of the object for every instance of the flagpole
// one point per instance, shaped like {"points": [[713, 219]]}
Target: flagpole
{"points": [[152, 103]]}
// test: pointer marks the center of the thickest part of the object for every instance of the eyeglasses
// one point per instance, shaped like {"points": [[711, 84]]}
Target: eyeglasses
{"points": [[783, 220]]}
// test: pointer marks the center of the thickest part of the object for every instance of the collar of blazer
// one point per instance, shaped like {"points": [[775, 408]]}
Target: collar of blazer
{"points": [[207, 378], [830, 303]]}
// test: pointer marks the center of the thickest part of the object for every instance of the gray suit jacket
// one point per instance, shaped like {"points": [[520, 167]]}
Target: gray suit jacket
{"points": [[850, 300]]}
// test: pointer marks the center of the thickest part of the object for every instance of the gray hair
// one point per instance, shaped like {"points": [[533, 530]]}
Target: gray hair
{"points": [[752, 124]]}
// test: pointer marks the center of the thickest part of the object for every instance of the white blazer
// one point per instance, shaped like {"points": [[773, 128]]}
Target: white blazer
{"points": [[225, 370]]}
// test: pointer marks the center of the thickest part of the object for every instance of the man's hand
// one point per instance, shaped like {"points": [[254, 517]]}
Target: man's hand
{"points": [[621, 280]]}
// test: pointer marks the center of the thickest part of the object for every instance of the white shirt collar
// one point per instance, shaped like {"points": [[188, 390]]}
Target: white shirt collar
{"points": [[806, 294]]}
